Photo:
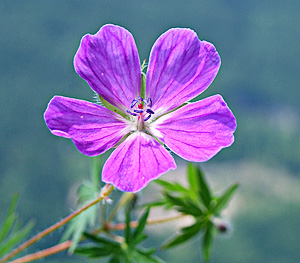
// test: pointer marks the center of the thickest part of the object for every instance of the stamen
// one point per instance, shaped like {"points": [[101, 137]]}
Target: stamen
{"points": [[133, 103], [149, 102], [148, 117], [139, 111], [150, 111], [133, 114]]}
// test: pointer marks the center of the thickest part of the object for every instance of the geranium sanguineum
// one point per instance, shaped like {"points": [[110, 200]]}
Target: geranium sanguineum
{"points": [[180, 68]]}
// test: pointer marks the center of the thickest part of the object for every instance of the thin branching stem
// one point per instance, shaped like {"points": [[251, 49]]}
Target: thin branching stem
{"points": [[43, 253], [134, 224]]}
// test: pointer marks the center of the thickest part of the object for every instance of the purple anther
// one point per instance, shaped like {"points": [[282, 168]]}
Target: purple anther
{"points": [[133, 114], [150, 111], [140, 98], [139, 111], [148, 117], [133, 103], [149, 102]]}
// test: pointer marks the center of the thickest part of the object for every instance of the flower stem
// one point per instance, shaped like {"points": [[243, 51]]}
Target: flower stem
{"points": [[43, 253], [126, 197], [106, 190]]}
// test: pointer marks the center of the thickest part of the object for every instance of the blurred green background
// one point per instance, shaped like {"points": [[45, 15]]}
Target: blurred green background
{"points": [[259, 78]]}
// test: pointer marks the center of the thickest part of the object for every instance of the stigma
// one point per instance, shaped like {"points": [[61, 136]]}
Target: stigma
{"points": [[141, 109]]}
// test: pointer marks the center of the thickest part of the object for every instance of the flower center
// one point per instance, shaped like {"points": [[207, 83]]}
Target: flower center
{"points": [[141, 108]]}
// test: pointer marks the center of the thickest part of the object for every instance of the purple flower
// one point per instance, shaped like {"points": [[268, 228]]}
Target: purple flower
{"points": [[180, 68]]}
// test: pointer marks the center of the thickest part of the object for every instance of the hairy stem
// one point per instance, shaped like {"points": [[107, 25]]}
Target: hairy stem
{"points": [[106, 190], [44, 253]]}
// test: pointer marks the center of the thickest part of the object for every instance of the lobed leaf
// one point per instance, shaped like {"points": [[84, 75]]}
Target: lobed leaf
{"points": [[173, 187], [10, 218], [207, 242], [186, 234], [138, 233], [223, 200]]}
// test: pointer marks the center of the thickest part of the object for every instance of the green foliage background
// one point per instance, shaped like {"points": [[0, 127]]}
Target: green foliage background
{"points": [[259, 78]]}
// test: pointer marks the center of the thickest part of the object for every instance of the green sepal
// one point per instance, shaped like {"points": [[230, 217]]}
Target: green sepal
{"points": [[112, 108], [143, 85]]}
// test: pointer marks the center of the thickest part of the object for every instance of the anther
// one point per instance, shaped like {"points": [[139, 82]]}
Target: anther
{"points": [[150, 111], [139, 111], [149, 102], [133, 114], [148, 117], [133, 103]]}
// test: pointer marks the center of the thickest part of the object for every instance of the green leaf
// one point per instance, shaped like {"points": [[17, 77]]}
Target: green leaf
{"points": [[173, 187], [143, 256], [140, 228], [78, 225], [193, 178], [204, 191], [114, 259], [174, 200], [155, 203], [96, 171], [127, 233], [10, 218], [191, 209], [15, 238], [95, 251], [223, 200], [186, 234], [111, 107], [12, 231], [101, 239], [207, 242]]}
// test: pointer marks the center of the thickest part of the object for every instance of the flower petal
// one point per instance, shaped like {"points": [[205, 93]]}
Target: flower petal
{"points": [[197, 131], [93, 128], [109, 62], [180, 68], [137, 161]]}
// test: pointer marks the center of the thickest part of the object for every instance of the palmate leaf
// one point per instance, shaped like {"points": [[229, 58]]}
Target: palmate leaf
{"points": [[123, 252], [12, 232]]}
